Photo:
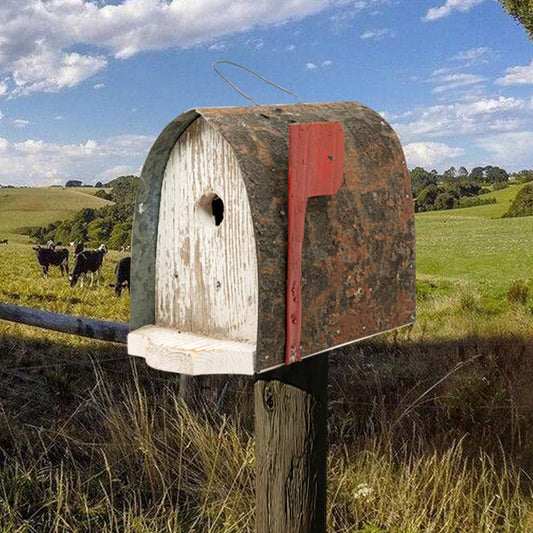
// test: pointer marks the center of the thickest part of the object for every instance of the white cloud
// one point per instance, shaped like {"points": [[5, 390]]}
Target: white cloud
{"points": [[119, 170], [475, 118], [217, 47], [47, 70], [35, 161], [98, 86], [512, 149], [20, 123], [256, 44], [430, 154], [519, 75], [449, 7], [343, 20], [446, 80], [473, 56], [378, 35], [319, 64], [291, 48], [38, 39]]}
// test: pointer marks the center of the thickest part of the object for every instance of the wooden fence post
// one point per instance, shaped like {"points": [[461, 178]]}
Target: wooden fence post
{"points": [[291, 447]]}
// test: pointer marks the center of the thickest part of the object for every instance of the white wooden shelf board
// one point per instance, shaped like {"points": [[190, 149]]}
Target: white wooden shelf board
{"points": [[188, 353]]}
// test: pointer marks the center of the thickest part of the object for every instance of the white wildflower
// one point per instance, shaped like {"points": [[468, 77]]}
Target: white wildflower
{"points": [[363, 492]]}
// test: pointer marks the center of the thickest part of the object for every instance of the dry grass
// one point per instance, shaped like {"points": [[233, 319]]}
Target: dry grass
{"points": [[425, 437]]}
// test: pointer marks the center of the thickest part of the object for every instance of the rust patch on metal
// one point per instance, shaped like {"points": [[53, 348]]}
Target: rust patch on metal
{"points": [[358, 271], [358, 260]]}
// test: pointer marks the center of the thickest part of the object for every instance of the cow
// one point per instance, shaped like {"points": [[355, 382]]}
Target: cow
{"points": [[4, 241], [48, 257], [122, 276], [88, 262], [78, 248]]}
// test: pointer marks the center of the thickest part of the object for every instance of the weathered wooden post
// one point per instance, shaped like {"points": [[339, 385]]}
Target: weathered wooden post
{"points": [[264, 236]]}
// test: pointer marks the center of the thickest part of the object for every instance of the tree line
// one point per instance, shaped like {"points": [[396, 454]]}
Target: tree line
{"points": [[110, 225], [458, 187]]}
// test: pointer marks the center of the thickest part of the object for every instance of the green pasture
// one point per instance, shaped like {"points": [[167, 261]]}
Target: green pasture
{"points": [[23, 283], [467, 262], [467, 259], [24, 207]]}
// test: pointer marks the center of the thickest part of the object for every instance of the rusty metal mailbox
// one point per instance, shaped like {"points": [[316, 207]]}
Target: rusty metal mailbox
{"points": [[211, 230]]}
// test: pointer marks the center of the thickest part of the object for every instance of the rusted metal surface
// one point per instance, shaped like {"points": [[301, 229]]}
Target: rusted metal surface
{"points": [[358, 270], [316, 168]]}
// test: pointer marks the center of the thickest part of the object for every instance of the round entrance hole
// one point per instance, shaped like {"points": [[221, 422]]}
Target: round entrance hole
{"points": [[212, 206]]}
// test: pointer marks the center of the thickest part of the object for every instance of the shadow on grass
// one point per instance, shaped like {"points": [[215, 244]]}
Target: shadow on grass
{"points": [[82, 418], [475, 389]]}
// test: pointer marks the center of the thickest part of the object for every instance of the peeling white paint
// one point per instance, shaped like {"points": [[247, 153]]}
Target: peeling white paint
{"points": [[206, 275]]}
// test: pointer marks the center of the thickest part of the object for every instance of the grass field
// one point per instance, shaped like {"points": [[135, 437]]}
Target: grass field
{"points": [[467, 259], [24, 207], [22, 279], [431, 429]]}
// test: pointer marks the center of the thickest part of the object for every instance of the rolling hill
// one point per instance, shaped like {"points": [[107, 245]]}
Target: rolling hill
{"points": [[24, 207]]}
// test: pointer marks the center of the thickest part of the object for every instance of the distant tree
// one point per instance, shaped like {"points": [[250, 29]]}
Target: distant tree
{"points": [[450, 173], [446, 200], [426, 198], [477, 173], [495, 174], [120, 236], [73, 183], [523, 176], [522, 205], [99, 184], [420, 179], [99, 231], [521, 10]]}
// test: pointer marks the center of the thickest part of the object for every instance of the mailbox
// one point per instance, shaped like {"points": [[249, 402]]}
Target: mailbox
{"points": [[210, 291]]}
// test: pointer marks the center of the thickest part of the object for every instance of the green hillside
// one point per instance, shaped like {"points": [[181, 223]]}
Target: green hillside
{"points": [[504, 199], [472, 254], [24, 207]]}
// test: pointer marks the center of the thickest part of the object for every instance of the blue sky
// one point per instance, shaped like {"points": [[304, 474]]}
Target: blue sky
{"points": [[86, 85]]}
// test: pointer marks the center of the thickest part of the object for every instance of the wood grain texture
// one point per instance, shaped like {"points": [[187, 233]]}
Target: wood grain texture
{"points": [[206, 275], [186, 353], [82, 326], [291, 448]]}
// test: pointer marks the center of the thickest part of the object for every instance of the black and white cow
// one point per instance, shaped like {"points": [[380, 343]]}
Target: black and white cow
{"points": [[78, 248], [122, 276], [48, 257], [88, 262]]}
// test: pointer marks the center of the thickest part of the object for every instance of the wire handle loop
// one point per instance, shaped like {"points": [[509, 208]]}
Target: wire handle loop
{"points": [[255, 74]]}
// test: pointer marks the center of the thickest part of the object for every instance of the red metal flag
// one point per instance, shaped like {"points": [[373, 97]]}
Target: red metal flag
{"points": [[316, 168]]}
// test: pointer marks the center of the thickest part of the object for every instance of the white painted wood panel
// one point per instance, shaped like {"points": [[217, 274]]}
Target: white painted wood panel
{"points": [[206, 275]]}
